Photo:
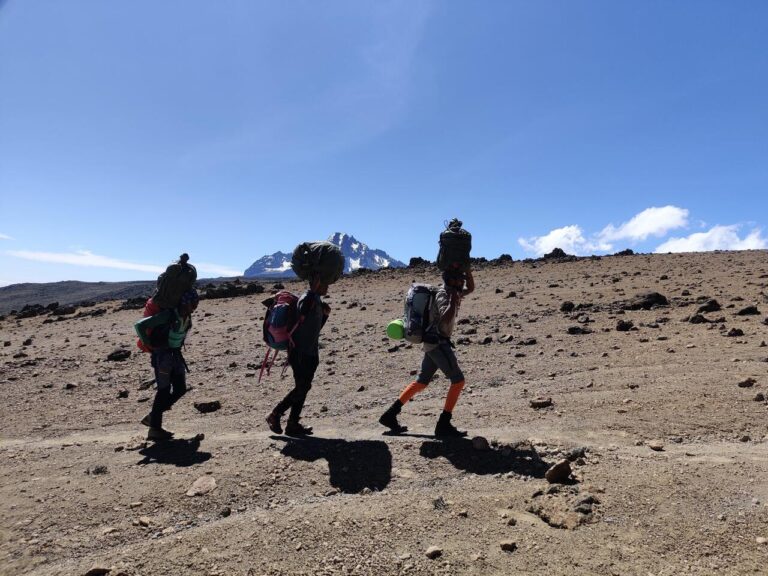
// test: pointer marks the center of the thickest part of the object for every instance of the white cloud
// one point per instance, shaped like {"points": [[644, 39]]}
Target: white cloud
{"points": [[216, 269], [83, 258], [652, 221], [568, 238], [717, 238], [89, 259], [5, 237]]}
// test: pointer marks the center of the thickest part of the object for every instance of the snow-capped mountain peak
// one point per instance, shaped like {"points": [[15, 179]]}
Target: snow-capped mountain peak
{"points": [[356, 255]]}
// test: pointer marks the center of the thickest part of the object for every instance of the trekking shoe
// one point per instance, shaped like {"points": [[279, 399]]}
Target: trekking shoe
{"points": [[389, 419], [445, 429], [294, 428], [273, 421], [159, 435], [146, 420]]}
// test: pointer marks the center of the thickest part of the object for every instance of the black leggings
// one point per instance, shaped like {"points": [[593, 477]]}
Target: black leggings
{"points": [[303, 367], [170, 376]]}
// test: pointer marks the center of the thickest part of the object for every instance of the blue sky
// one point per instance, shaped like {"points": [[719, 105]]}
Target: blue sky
{"points": [[133, 131]]}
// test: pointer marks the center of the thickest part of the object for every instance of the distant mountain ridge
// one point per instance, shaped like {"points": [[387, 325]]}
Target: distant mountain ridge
{"points": [[356, 255]]}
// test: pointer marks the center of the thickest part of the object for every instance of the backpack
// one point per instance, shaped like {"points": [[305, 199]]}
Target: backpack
{"points": [[322, 258], [455, 246], [280, 322], [178, 277], [417, 314], [150, 309]]}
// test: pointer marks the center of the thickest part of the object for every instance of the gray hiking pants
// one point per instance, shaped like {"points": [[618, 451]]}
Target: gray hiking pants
{"points": [[441, 357]]}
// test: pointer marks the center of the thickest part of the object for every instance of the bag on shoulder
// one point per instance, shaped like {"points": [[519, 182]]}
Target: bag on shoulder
{"points": [[455, 246], [178, 277], [280, 320], [418, 324], [150, 309], [322, 258]]}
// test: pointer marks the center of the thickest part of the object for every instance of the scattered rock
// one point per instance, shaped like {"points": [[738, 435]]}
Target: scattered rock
{"points": [[759, 397], [122, 393], [567, 306], [119, 355], [735, 332], [70, 386], [434, 552], [207, 406], [98, 571], [624, 325], [656, 445], [201, 486], [576, 330], [747, 383], [144, 521], [645, 301], [486, 340], [711, 305], [559, 473], [698, 319], [508, 545], [225, 512], [748, 311], [540, 402]]}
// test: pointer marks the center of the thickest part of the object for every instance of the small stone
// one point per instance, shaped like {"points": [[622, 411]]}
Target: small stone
{"points": [[540, 402], [480, 443], [624, 325], [761, 540], [201, 486], [135, 504], [462, 514], [122, 393], [70, 386], [559, 473], [144, 521], [508, 545], [98, 571], [747, 383], [656, 445], [119, 355], [207, 406], [434, 552], [225, 512], [511, 522], [109, 530], [759, 397]]}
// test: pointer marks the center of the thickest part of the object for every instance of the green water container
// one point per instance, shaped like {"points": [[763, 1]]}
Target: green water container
{"points": [[396, 329]]}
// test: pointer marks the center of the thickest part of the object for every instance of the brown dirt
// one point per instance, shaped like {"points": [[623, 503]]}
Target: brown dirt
{"points": [[673, 479]]}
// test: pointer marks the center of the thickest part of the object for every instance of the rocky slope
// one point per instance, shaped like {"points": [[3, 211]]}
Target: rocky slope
{"points": [[660, 414]]}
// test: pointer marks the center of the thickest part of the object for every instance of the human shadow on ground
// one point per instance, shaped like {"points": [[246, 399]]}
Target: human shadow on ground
{"points": [[460, 452], [179, 452], [353, 465]]}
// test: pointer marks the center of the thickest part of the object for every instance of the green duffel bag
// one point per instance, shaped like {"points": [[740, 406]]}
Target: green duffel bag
{"points": [[322, 258], [455, 246], [179, 277]]}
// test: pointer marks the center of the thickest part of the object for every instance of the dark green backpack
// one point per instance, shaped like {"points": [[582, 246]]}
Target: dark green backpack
{"points": [[322, 258], [455, 246], [179, 277]]}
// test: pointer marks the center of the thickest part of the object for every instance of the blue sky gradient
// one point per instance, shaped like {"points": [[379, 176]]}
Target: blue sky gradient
{"points": [[130, 132]]}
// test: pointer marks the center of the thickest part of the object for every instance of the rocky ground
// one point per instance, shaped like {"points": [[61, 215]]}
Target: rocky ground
{"points": [[660, 414]]}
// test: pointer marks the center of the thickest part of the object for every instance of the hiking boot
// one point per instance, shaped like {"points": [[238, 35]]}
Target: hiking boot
{"points": [[273, 421], [445, 429], [159, 435], [146, 420], [389, 419], [294, 428]]}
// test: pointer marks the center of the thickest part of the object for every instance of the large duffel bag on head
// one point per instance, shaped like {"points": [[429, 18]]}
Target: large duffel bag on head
{"points": [[322, 258], [179, 277], [418, 323], [455, 246]]}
